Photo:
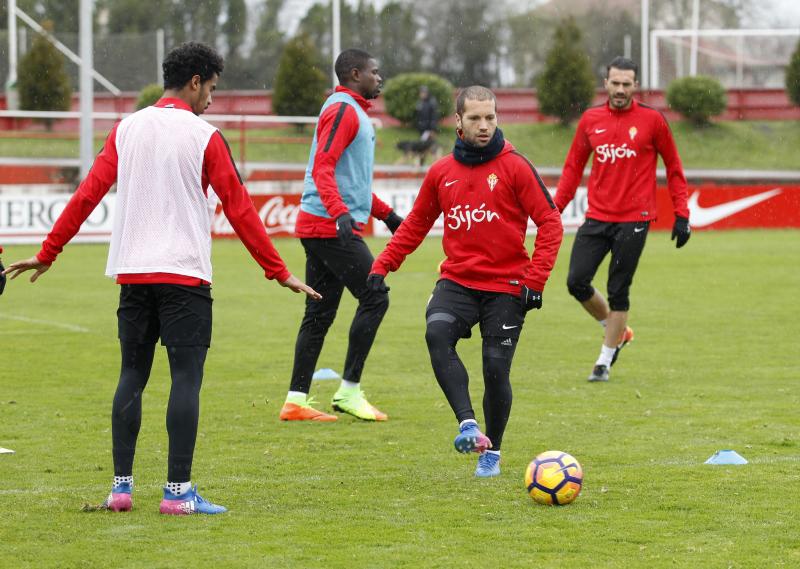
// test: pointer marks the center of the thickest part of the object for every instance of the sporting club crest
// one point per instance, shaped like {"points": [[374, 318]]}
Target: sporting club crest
{"points": [[633, 132], [492, 181]]}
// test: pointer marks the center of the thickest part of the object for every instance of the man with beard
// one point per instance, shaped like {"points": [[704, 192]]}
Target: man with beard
{"points": [[626, 138], [487, 192]]}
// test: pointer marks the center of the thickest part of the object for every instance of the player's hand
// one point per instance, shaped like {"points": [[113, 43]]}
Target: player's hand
{"points": [[299, 286], [681, 231], [376, 283], [530, 298], [16, 269], [393, 221], [344, 228]]}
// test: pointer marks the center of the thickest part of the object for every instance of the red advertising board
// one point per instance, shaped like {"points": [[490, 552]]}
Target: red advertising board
{"points": [[711, 207], [279, 212], [735, 207]]}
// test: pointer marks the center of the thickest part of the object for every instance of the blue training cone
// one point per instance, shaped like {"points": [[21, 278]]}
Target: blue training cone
{"points": [[325, 373], [726, 457]]}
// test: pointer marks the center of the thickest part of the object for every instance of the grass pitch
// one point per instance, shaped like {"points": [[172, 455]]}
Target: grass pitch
{"points": [[714, 366]]}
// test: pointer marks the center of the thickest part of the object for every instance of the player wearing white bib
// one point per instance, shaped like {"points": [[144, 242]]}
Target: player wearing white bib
{"points": [[165, 160]]}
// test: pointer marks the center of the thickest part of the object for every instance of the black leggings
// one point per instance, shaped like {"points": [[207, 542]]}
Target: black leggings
{"points": [[186, 368], [441, 337], [330, 268]]}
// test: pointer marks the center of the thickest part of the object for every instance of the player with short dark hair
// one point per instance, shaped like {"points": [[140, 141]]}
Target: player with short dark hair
{"points": [[487, 192], [626, 138], [337, 201], [165, 161]]}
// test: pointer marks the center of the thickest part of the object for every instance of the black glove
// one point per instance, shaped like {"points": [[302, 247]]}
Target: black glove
{"points": [[530, 298], [393, 221], [681, 231], [2, 278], [344, 227], [375, 283]]}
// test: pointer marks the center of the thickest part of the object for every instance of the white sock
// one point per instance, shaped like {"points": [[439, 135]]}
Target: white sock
{"points": [[296, 396], [349, 384], [602, 322], [497, 452], [122, 480], [606, 355], [179, 488], [465, 421]]}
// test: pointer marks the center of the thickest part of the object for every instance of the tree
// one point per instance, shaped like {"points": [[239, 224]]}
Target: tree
{"points": [[402, 94], [463, 58], [299, 84], [149, 95], [566, 87], [398, 51], [793, 77], [529, 36], [235, 27], [43, 83], [257, 71], [130, 16], [697, 98]]}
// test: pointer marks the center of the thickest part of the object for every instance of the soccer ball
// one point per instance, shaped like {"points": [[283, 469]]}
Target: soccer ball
{"points": [[554, 478]]}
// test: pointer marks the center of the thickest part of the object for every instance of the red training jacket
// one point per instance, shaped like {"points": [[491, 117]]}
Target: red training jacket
{"points": [[622, 183], [486, 210], [219, 171], [332, 139]]}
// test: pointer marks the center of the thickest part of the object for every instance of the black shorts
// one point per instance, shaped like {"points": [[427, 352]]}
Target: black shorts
{"points": [[500, 314], [180, 315], [594, 240]]}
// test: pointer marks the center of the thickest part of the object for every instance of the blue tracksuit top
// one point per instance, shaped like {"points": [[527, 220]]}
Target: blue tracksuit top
{"points": [[353, 170]]}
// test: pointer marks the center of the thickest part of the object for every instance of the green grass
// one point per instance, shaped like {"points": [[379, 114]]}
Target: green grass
{"points": [[714, 366], [739, 145]]}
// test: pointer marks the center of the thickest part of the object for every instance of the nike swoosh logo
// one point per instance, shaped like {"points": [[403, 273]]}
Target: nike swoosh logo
{"points": [[450, 183], [702, 216], [638, 229], [600, 130], [509, 327]]}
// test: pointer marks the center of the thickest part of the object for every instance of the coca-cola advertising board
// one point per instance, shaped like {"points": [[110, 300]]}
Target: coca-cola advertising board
{"points": [[26, 218], [279, 212]]}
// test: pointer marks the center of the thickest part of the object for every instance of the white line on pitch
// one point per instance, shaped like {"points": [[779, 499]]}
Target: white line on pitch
{"points": [[70, 327]]}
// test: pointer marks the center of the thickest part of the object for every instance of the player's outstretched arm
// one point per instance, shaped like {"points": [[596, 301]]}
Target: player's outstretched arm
{"points": [[297, 285], [16, 269]]}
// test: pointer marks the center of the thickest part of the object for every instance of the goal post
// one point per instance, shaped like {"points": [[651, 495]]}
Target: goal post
{"points": [[738, 58]]}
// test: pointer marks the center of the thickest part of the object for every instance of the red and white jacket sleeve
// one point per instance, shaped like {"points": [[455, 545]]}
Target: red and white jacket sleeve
{"points": [[90, 192], [572, 173], [676, 180], [221, 173], [336, 129], [424, 213], [535, 200]]}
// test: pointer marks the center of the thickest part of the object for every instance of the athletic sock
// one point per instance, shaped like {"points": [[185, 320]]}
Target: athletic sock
{"points": [[119, 480], [465, 421], [179, 488], [497, 452], [349, 386], [606, 355], [296, 397], [602, 322]]}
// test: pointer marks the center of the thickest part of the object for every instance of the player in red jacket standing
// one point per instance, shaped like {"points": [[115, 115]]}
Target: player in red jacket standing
{"points": [[487, 191], [626, 138]]}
